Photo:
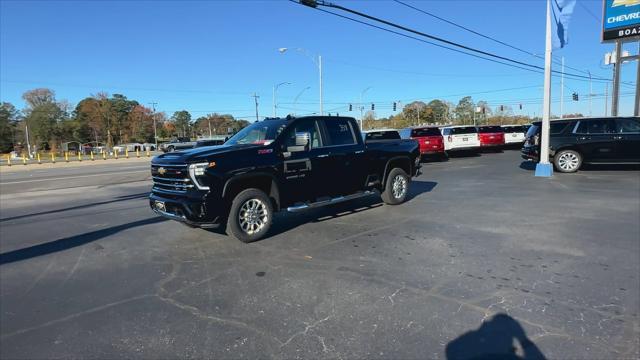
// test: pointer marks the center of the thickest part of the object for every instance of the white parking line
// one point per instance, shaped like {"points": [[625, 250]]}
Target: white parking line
{"points": [[72, 177]]}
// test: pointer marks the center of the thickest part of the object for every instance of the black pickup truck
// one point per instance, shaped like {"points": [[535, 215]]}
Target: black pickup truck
{"points": [[279, 164]]}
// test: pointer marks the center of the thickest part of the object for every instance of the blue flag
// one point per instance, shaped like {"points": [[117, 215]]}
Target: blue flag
{"points": [[562, 11]]}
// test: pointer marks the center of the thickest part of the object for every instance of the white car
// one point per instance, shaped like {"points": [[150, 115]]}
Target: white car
{"points": [[462, 137], [514, 134]]}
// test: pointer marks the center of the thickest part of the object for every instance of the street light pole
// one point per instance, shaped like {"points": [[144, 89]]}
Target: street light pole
{"points": [[362, 108], [275, 105], [155, 129], [318, 63]]}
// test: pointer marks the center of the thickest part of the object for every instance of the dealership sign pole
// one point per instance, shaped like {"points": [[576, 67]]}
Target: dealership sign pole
{"points": [[544, 168], [621, 23]]}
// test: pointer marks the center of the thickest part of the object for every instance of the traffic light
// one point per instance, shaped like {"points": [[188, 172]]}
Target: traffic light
{"points": [[394, 106], [310, 3], [350, 107], [373, 106], [501, 107], [520, 106], [575, 96]]}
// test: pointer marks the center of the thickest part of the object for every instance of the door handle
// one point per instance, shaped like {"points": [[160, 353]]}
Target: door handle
{"points": [[584, 138], [618, 137], [323, 155]]}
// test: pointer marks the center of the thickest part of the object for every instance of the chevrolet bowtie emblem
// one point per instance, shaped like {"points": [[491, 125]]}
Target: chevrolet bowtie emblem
{"points": [[162, 171], [625, 3]]}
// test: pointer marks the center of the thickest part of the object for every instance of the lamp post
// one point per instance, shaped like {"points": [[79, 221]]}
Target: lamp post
{"points": [[275, 91], [295, 101], [362, 107], [317, 62]]}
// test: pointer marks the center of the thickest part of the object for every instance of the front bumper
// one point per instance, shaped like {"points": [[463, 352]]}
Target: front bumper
{"points": [[189, 211]]}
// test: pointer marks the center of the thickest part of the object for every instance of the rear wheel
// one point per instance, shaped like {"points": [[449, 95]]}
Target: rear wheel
{"points": [[396, 188], [170, 149], [250, 215], [567, 161]]}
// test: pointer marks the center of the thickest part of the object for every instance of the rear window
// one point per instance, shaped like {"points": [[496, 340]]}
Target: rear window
{"points": [[490, 129], [382, 135], [463, 130], [425, 132], [515, 129], [554, 128], [340, 132]]}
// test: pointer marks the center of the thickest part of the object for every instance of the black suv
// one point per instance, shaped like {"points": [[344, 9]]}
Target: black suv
{"points": [[587, 140]]}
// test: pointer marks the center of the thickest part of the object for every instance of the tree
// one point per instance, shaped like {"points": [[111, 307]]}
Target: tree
{"points": [[182, 122], [8, 121], [44, 117], [439, 111], [464, 110], [417, 112], [38, 97]]}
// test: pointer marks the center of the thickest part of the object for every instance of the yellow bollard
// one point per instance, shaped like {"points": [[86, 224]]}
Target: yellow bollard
{"points": [[137, 153], [104, 155], [24, 159], [126, 153], [115, 154], [91, 155], [38, 157], [53, 158], [66, 156], [148, 152], [79, 156], [9, 159]]}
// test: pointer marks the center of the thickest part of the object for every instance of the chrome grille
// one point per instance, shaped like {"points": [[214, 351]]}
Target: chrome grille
{"points": [[172, 179]]}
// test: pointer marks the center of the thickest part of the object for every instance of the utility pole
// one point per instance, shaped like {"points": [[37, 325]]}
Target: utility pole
{"points": [[255, 97], [562, 90], [636, 108], [320, 75], [615, 93], [155, 129], [590, 93], [26, 130], [606, 98], [544, 168]]}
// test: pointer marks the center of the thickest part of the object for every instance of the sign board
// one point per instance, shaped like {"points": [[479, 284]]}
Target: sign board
{"points": [[621, 19]]}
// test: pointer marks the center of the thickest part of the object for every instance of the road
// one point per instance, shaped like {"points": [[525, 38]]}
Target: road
{"points": [[482, 258]]}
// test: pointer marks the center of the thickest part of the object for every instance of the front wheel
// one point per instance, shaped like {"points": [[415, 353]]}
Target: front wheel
{"points": [[567, 161], [250, 215], [396, 188]]}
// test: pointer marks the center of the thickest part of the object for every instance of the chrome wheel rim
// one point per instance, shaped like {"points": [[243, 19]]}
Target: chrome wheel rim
{"points": [[399, 186], [568, 161], [253, 216]]}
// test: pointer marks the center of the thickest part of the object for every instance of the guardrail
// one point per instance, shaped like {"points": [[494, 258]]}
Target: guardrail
{"points": [[68, 157]]}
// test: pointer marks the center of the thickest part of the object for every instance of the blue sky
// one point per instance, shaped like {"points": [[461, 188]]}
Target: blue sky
{"points": [[211, 56]]}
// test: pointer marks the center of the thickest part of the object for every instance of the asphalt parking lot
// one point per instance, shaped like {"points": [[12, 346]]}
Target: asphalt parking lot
{"points": [[484, 260]]}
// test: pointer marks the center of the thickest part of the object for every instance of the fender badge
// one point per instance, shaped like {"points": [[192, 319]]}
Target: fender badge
{"points": [[162, 171], [265, 151]]}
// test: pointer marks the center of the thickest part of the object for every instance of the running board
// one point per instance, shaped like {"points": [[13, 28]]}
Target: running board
{"points": [[336, 200]]}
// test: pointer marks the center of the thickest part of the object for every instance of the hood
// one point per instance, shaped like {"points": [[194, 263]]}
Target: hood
{"points": [[202, 154]]}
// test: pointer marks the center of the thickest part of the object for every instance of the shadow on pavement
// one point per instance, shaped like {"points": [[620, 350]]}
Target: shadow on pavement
{"points": [[70, 242], [463, 153], [494, 340], [528, 165], [117, 199]]}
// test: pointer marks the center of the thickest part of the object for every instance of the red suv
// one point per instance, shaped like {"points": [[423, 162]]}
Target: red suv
{"points": [[429, 138], [491, 137]]}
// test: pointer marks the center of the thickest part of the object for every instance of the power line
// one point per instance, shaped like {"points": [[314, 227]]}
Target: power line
{"points": [[482, 35], [436, 38]]}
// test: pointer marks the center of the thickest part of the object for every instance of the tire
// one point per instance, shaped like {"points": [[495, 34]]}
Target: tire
{"points": [[256, 205], [396, 188], [170, 149], [567, 161]]}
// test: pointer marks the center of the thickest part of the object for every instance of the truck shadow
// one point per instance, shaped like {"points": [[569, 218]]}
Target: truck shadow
{"points": [[494, 339], [71, 241], [284, 222]]}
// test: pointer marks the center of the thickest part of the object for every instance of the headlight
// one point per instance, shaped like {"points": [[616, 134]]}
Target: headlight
{"points": [[197, 170]]}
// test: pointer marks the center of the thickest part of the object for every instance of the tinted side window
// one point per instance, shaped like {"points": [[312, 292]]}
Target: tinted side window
{"points": [[596, 126], [340, 132], [628, 125], [309, 126], [446, 131], [557, 128]]}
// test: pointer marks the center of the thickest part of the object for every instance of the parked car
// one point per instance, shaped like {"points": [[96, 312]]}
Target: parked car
{"points": [[461, 137], [380, 134], [180, 143], [514, 134], [288, 164], [491, 137], [429, 138], [573, 142]]}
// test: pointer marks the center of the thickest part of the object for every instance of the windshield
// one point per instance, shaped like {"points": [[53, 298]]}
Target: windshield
{"points": [[463, 130], [259, 133], [515, 129], [490, 129]]}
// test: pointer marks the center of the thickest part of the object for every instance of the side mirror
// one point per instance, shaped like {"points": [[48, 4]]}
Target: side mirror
{"points": [[302, 142]]}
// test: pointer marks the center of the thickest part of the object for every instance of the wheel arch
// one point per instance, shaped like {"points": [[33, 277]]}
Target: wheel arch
{"points": [[403, 162], [259, 180]]}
